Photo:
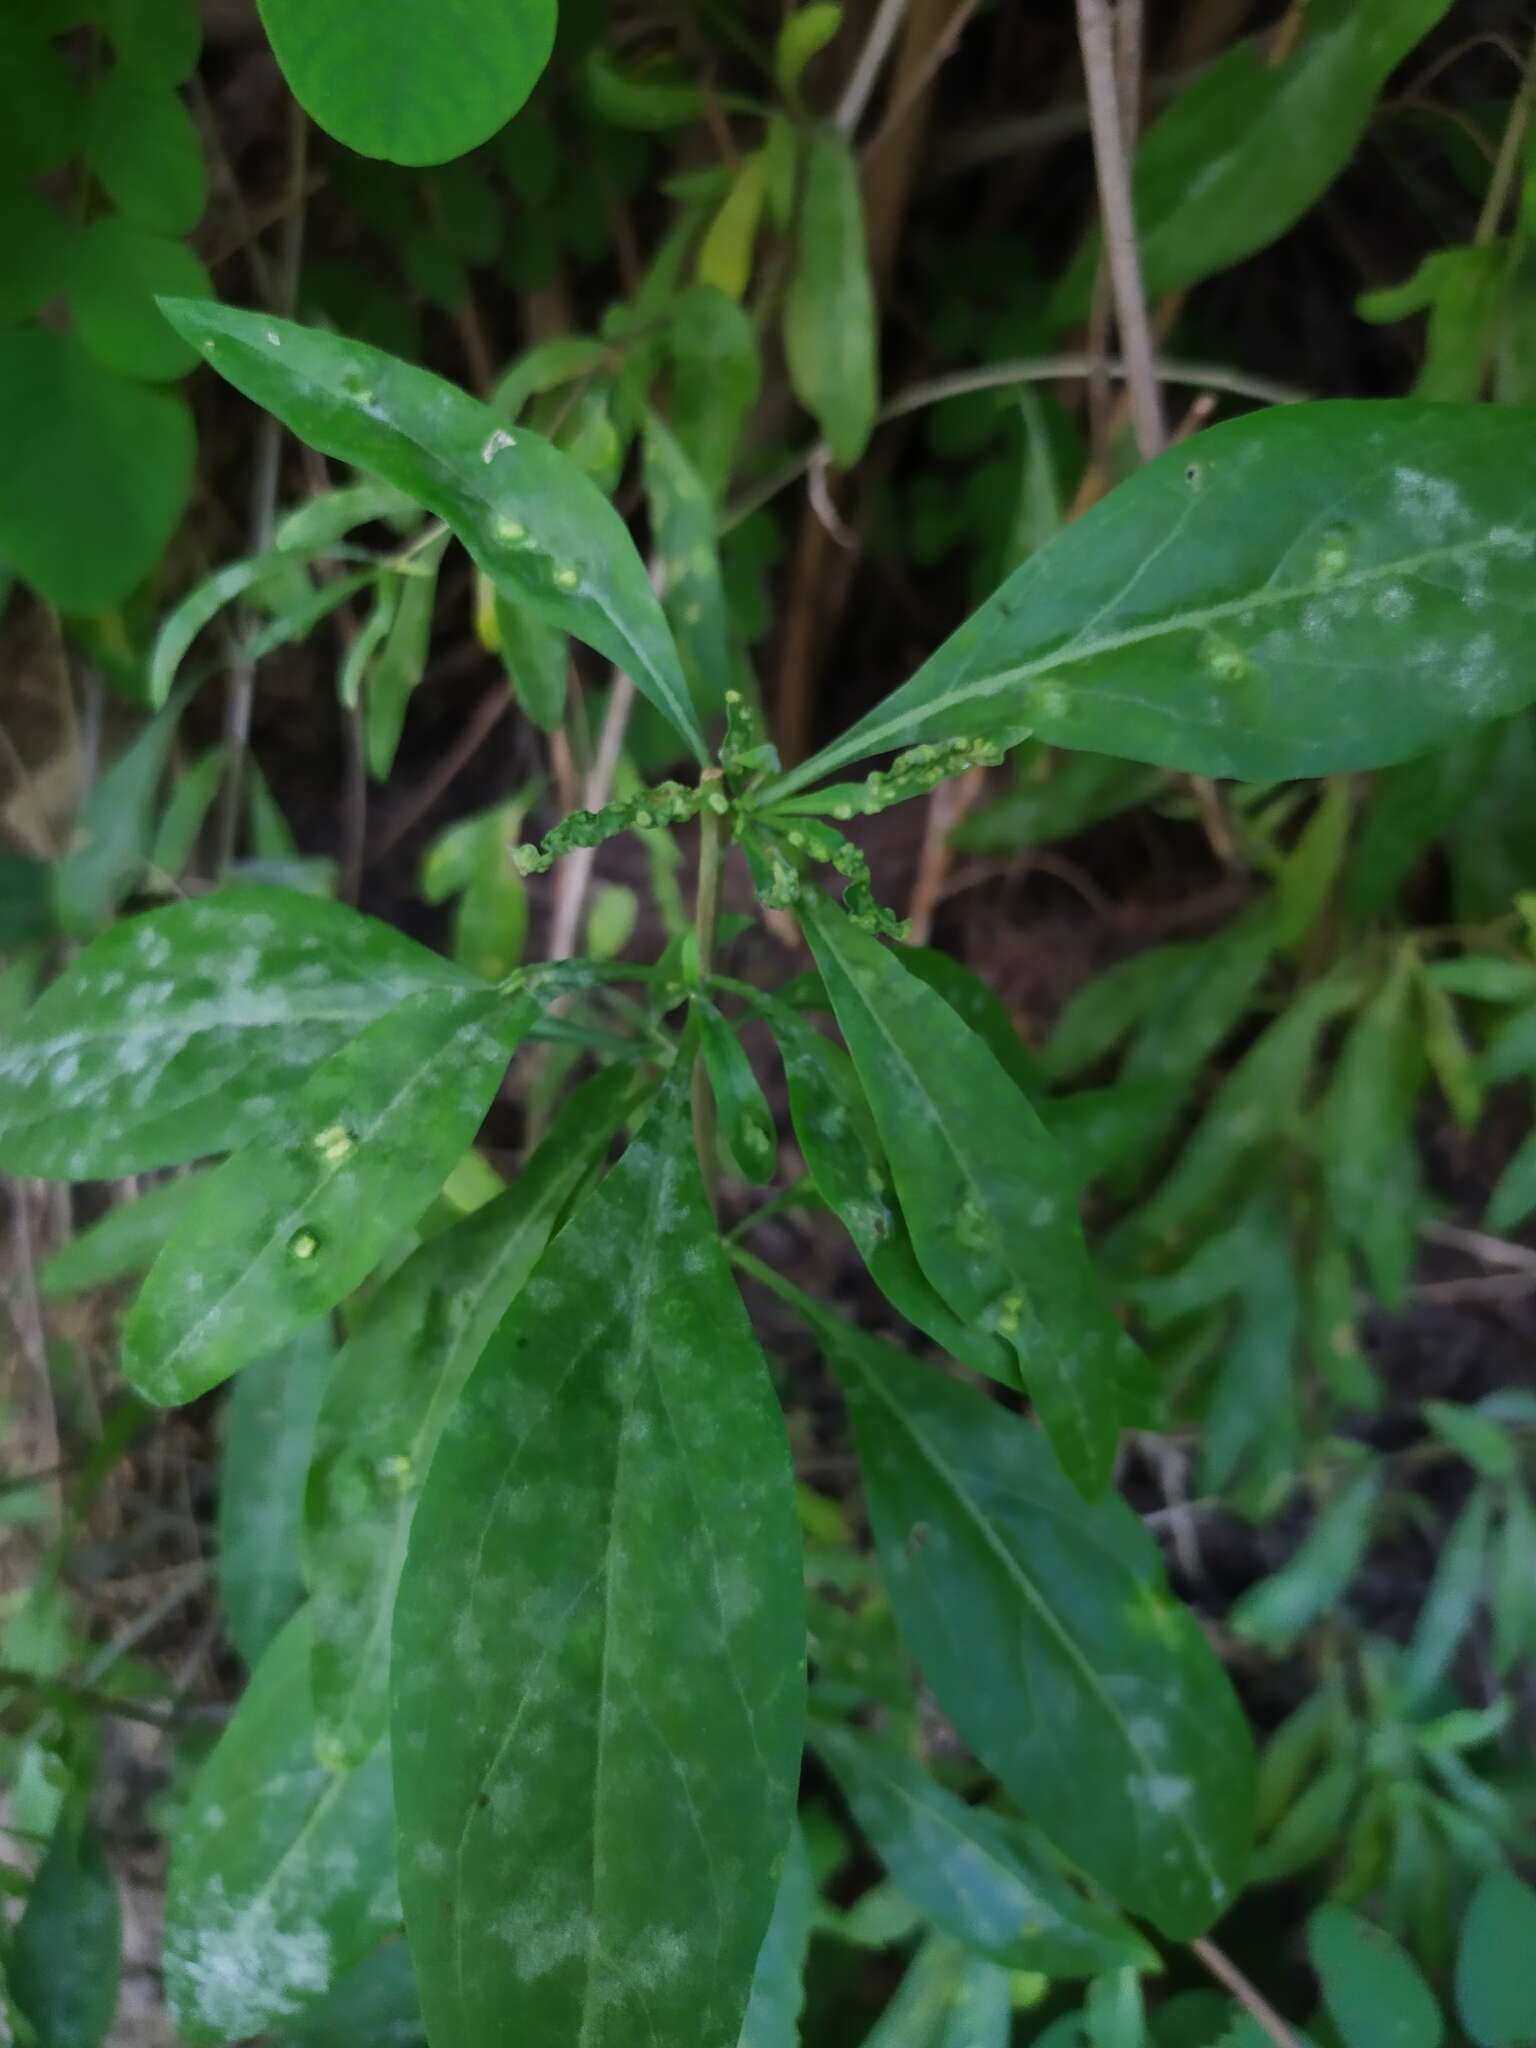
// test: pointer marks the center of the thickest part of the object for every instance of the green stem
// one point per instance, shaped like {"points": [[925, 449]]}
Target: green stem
{"points": [[706, 916]]}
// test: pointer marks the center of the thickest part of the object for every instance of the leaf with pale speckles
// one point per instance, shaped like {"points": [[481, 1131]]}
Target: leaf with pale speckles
{"points": [[597, 1673], [287, 1229], [269, 1433], [171, 1035], [394, 1386], [986, 1191], [282, 1869], [1303, 591], [1045, 1627], [976, 1875], [539, 528]]}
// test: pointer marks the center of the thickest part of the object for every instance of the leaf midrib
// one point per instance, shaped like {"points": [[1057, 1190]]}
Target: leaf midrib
{"points": [[866, 740]]}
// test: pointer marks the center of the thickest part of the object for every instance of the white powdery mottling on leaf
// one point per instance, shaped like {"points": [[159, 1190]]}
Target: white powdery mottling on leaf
{"points": [[237, 1970]]}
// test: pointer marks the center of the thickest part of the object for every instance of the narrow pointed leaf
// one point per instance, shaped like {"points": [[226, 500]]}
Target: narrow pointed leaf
{"points": [[843, 1157], [1376, 606], [598, 1651], [830, 322], [1282, 1607], [984, 1187], [778, 1988], [115, 832], [282, 1870], [269, 1434], [976, 1876], [172, 1035], [1372, 1988], [395, 1383], [746, 1121], [64, 1957], [126, 1241], [541, 530], [285, 1231], [1044, 1625]]}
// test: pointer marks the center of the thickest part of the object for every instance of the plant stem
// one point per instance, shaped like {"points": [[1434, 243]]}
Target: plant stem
{"points": [[867, 67], [1253, 2002], [1097, 37], [1508, 164], [705, 918]]}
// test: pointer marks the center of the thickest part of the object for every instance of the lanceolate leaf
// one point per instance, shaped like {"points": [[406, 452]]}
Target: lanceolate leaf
{"points": [[282, 1871], [976, 1876], [172, 1035], [269, 1434], [1303, 591], [284, 1232], [985, 1190], [115, 831], [1045, 1627], [394, 1386], [63, 1959], [541, 530], [778, 1990], [1372, 1988], [1245, 150], [947, 1999], [125, 1241], [830, 328], [599, 1639]]}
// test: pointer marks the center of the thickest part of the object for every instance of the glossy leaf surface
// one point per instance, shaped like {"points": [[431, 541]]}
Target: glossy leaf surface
{"points": [[282, 1872], [599, 1639], [285, 1231], [540, 529], [986, 1191], [1045, 1627], [396, 1382], [1204, 619], [173, 1034]]}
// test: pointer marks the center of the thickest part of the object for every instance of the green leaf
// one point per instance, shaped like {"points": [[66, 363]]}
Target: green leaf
{"points": [[144, 147], [778, 1992], [806, 33], [1369, 1162], [171, 1035], [126, 1240], [746, 1121], [373, 2005], [1514, 1194], [1134, 1756], [683, 528], [1114, 2014], [1463, 292], [1411, 807], [415, 88], [38, 242], [596, 1788], [269, 1434], [1513, 1597], [730, 242], [1495, 1990], [396, 1381], [976, 1876], [1252, 1424], [716, 373], [1053, 797], [543, 532], [288, 1228], [1281, 1608], [1454, 1593], [63, 1960], [538, 662], [186, 809], [947, 1999], [115, 831], [402, 659], [473, 860], [651, 96], [1372, 1988], [985, 1190], [116, 271], [830, 321], [1243, 152], [844, 1159], [1487, 1448], [983, 1010], [1397, 553], [159, 39], [282, 1870], [96, 471]]}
